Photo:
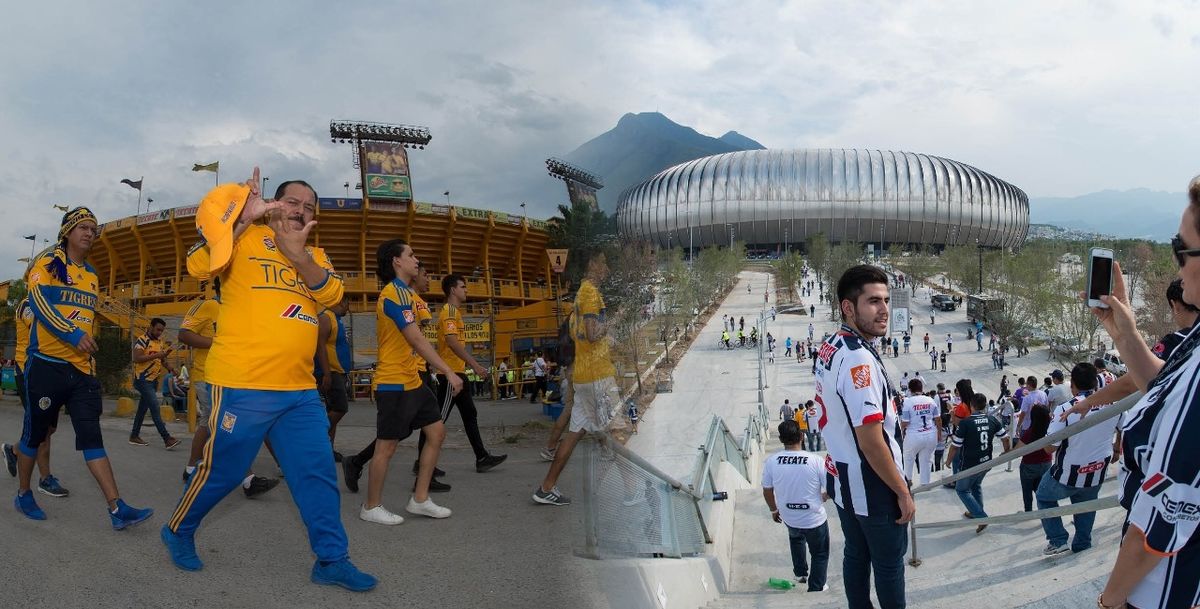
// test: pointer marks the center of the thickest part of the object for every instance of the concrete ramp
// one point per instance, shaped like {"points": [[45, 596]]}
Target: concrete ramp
{"points": [[1002, 567]]}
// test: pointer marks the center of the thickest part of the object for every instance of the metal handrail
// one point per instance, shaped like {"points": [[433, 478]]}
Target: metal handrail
{"points": [[637, 459], [1089, 421]]}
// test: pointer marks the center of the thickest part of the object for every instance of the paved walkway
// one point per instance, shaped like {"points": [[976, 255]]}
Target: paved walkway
{"points": [[1004, 564], [256, 552]]}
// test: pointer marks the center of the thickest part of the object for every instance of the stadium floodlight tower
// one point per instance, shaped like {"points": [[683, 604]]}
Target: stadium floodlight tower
{"points": [[569, 173], [359, 133]]}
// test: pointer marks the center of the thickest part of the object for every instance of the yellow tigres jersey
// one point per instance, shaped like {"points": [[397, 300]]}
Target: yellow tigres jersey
{"points": [[153, 369], [268, 316], [335, 365], [450, 323], [421, 308], [201, 319], [592, 361], [24, 318], [63, 313], [397, 368]]}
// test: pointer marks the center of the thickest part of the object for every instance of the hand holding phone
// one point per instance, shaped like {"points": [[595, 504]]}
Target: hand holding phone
{"points": [[1100, 276]]}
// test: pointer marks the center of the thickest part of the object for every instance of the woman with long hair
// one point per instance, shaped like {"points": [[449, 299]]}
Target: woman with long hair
{"points": [[1035, 464]]}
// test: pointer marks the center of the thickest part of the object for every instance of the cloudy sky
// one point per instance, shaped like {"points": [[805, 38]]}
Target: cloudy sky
{"points": [[1060, 99]]}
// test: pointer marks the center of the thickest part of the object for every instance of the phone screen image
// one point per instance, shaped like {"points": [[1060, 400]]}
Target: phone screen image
{"points": [[1101, 278]]}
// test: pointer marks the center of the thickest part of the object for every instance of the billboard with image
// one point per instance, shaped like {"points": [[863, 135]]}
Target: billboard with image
{"points": [[385, 171], [581, 193]]}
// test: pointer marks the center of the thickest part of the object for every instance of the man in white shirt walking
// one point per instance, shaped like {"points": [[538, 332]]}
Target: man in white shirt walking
{"points": [[792, 487], [539, 378], [919, 417]]}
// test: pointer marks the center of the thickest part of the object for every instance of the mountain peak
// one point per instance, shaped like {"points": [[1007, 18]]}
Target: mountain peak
{"points": [[643, 144], [736, 139]]}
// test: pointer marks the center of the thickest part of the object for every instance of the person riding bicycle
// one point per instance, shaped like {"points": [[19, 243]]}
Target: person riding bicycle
{"points": [[741, 338], [753, 336], [725, 338]]}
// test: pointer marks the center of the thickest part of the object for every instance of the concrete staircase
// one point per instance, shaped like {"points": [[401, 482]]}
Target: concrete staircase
{"points": [[1002, 567]]}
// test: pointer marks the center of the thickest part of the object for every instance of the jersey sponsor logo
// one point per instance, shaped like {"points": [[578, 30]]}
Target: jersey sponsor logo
{"points": [[825, 354], [269, 244], [1159, 348], [79, 299], [295, 311], [1092, 467], [228, 420], [830, 466], [1156, 484], [791, 460], [408, 316], [861, 375], [796, 506], [74, 314]]}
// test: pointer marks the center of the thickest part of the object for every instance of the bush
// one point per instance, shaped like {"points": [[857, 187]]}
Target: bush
{"points": [[113, 358]]}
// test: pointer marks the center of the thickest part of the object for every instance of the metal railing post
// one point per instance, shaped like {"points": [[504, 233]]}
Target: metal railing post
{"points": [[591, 532]]}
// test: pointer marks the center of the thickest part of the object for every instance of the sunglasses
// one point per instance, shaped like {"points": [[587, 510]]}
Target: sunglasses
{"points": [[1181, 251]]}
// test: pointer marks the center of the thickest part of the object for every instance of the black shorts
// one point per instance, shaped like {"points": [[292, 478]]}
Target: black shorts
{"points": [[51, 385], [335, 397], [399, 413], [21, 387]]}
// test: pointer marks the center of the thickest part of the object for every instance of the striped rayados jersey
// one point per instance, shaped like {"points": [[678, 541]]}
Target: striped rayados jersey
{"points": [[64, 312], [268, 316]]}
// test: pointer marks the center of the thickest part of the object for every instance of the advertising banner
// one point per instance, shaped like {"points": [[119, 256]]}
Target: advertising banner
{"points": [[334, 203], [472, 332], [153, 216], [386, 168], [467, 212], [901, 318], [186, 212], [378, 205]]}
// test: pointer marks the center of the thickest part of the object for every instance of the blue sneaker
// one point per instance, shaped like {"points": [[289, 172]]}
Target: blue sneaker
{"points": [[50, 486], [10, 459], [26, 505], [343, 573], [124, 516], [182, 549]]}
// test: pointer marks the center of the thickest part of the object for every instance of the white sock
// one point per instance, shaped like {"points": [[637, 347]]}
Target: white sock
{"points": [[190, 469], [246, 482]]}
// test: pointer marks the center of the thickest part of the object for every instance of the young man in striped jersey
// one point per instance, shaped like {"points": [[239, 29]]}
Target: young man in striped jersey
{"points": [[1077, 473], [47, 483], [858, 422], [452, 348], [61, 370], [149, 364]]}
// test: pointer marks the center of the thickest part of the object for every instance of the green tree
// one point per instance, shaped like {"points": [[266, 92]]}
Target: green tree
{"points": [[817, 248], [113, 358], [585, 231], [787, 275], [841, 257]]}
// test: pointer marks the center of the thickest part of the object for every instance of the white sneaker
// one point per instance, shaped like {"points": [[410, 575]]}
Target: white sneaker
{"points": [[822, 589], [428, 508], [379, 515]]}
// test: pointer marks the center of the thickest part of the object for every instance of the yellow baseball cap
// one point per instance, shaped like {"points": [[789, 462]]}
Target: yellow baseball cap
{"points": [[215, 219]]}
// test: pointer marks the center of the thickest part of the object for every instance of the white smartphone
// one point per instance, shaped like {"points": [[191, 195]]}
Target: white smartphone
{"points": [[1100, 273]]}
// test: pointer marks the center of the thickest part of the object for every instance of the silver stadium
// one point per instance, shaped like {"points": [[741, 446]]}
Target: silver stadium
{"points": [[778, 198]]}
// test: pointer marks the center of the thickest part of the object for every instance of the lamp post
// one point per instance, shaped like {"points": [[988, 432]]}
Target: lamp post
{"points": [[880, 256], [523, 215], [979, 250], [264, 184]]}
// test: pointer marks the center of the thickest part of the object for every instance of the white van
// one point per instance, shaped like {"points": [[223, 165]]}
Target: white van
{"points": [[1113, 360]]}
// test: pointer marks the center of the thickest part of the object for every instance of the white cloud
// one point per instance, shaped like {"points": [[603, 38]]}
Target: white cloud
{"points": [[1061, 98]]}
